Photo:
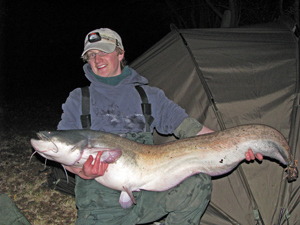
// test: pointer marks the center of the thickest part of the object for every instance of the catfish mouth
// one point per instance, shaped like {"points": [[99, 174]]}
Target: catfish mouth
{"points": [[44, 137]]}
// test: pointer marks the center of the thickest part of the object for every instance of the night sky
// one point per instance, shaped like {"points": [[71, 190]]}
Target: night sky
{"points": [[42, 42]]}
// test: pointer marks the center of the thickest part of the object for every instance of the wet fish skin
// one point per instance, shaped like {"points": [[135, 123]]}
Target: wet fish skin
{"points": [[136, 166]]}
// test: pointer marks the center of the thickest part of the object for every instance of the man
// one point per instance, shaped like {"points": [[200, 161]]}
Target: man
{"points": [[116, 108]]}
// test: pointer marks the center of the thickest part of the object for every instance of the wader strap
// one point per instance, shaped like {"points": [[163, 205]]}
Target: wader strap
{"points": [[86, 116], [85, 103], [146, 107]]}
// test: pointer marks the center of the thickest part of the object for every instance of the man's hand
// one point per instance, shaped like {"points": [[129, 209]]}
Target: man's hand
{"points": [[205, 130], [250, 155], [94, 170], [89, 170]]}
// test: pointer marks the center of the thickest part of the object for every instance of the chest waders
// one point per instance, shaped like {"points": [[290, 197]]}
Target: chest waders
{"points": [[94, 200]]}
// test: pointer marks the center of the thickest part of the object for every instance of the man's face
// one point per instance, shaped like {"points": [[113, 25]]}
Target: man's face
{"points": [[107, 65]]}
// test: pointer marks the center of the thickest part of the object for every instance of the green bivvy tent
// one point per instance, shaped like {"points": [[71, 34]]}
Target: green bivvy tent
{"points": [[226, 77]]}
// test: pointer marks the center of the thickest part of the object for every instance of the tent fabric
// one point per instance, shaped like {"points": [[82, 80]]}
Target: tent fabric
{"points": [[229, 77], [10, 214]]}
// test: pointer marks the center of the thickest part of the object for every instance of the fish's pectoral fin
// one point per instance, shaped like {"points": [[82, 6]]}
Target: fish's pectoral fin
{"points": [[113, 155], [109, 155], [126, 198]]}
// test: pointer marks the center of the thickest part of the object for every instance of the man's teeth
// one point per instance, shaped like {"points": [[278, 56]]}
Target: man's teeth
{"points": [[101, 66]]}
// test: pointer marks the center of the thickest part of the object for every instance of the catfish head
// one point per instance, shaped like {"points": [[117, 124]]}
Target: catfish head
{"points": [[73, 147], [60, 146]]}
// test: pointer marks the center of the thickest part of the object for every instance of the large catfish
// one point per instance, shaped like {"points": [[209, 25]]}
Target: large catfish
{"points": [[135, 166]]}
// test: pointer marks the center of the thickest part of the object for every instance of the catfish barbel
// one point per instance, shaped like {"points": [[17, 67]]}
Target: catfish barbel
{"points": [[135, 167]]}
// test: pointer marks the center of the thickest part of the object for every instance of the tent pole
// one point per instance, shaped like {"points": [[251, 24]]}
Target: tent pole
{"points": [[257, 214]]}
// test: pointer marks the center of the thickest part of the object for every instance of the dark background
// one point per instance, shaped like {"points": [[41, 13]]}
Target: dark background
{"points": [[41, 41]]}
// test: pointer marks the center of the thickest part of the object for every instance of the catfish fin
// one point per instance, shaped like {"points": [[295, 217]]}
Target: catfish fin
{"points": [[112, 155], [125, 200], [109, 155], [129, 192]]}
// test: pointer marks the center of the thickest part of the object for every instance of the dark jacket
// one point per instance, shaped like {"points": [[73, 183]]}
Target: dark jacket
{"points": [[117, 109]]}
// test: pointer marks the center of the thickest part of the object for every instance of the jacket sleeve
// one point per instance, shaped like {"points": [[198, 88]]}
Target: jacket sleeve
{"points": [[167, 114], [70, 118], [188, 128]]}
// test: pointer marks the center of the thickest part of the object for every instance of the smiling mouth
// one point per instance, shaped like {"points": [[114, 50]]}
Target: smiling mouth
{"points": [[100, 67]]}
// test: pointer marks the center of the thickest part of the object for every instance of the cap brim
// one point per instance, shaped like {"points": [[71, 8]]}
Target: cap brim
{"points": [[105, 47]]}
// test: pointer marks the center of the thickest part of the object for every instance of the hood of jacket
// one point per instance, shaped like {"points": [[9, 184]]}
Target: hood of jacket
{"points": [[133, 79]]}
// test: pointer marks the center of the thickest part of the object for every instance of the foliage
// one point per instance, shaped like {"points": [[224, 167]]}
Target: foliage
{"points": [[209, 13]]}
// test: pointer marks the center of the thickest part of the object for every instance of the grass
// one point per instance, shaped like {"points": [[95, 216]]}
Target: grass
{"points": [[20, 179]]}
